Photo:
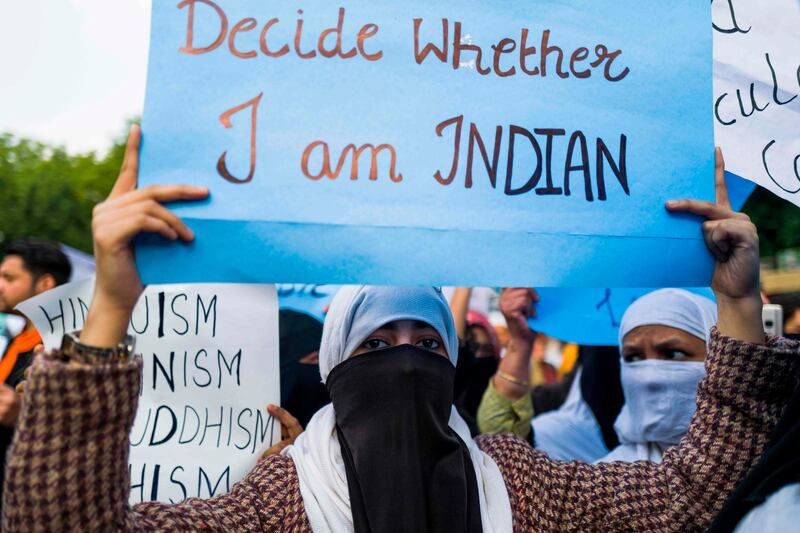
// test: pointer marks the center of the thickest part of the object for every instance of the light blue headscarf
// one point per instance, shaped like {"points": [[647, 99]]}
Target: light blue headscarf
{"points": [[357, 311]]}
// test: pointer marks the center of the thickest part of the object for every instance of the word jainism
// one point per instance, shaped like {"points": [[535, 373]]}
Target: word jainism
{"points": [[249, 38]]}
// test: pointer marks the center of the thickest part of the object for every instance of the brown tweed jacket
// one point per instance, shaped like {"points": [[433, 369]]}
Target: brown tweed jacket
{"points": [[68, 469]]}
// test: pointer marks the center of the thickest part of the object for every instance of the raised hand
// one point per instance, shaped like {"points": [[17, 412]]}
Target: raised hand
{"points": [[733, 240], [517, 306], [127, 212]]}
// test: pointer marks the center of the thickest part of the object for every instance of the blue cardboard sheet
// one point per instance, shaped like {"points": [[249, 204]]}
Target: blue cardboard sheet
{"points": [[591, 316], [313, 300], [448, 143]]}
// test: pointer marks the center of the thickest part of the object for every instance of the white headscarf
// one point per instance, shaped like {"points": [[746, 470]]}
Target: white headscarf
{"points": [[571, 432], [357, 311], [676, 308], [660, 396]]}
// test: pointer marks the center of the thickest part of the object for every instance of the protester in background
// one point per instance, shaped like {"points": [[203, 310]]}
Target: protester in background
{"points": [[302, 390], [481, 336], [568, 427], [388, 357], [478, 355], [29, 268], [663, 341], [662, 337], [546, 358]]}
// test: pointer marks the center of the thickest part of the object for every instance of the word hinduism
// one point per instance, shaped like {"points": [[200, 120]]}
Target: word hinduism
{"points": [[170, 314]]}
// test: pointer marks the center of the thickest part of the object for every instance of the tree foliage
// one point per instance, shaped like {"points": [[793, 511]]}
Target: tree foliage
{"points": [[778, 221], [46, 192]]}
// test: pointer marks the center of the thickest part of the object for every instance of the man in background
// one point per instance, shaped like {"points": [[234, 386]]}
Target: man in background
{"points": [[29, 267]]}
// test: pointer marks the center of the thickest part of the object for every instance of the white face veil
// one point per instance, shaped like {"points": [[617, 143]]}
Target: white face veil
{"points": [[660, 396], [357, 311]]}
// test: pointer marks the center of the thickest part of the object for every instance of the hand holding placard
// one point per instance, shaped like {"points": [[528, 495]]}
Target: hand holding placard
{"points": [[290, 429], [733, 240], [115, 222]]}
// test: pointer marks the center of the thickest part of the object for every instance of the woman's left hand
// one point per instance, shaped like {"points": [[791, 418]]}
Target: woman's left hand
{"points": [[733, 240], [290, 429]]}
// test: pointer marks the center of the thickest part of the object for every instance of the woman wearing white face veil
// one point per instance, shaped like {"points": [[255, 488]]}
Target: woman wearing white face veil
{"points": [[660, 395], [327, 477]]}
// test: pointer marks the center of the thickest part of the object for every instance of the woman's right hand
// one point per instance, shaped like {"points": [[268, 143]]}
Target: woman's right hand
{"points": [[127, 212]]}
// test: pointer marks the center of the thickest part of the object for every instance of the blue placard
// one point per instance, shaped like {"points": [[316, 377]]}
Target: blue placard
{"points": [[591, 316], [452, 143], [312, 300]]}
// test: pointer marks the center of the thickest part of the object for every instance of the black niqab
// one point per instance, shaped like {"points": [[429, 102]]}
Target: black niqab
{"points": [[302, 390], [407, 470]]}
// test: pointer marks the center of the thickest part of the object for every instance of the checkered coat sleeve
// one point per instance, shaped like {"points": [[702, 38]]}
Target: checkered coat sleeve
{"points": [[68, 468], [739, 403]]}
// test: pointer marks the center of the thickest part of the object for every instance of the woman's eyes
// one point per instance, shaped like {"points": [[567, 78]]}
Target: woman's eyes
{"points": [[375, 344], [632, 357], [676, 355], [429, 344], [666, 355], [378, 344]]}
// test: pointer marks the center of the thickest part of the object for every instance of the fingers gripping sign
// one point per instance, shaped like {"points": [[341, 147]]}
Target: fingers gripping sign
{"points": [[290, 429], [127, 212], [733, 240]]}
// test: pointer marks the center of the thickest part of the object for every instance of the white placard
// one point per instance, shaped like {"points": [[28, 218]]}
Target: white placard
{"points": [[757, 91], [211, 366]]}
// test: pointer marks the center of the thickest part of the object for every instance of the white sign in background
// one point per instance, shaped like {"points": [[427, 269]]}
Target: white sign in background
{"points": [[211, 366], [757, 91]]}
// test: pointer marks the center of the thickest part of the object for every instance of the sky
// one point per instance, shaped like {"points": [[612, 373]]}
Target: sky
{"points": [[73, 71]]}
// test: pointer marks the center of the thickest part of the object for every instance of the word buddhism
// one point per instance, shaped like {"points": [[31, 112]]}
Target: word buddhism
{"points": [[245, 43]]}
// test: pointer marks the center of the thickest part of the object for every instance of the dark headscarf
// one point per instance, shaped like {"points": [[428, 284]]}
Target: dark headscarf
{"points": [[302, 390]]}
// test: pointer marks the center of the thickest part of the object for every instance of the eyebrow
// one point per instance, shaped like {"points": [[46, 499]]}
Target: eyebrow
{"points": [[671, 342]]}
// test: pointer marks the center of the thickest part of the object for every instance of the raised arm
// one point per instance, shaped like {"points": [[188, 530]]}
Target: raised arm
{"points": [[748, 384], [506, 405], [68, 470], [459, 306]]}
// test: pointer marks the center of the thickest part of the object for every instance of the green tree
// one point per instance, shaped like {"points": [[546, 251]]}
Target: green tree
{"points": [[48, 193], [778, 221]]}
